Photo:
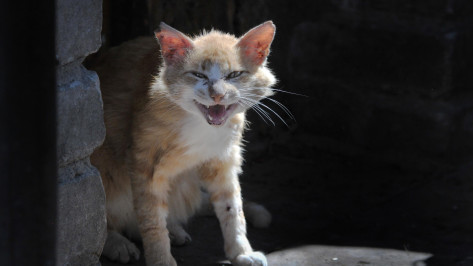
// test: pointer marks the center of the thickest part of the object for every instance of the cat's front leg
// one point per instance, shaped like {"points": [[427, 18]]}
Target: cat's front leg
{"points": [[150, 199], [221, 180]]}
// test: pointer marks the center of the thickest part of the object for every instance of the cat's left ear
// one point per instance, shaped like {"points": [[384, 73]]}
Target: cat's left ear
{"points": [[174, 44], [254, 45]]}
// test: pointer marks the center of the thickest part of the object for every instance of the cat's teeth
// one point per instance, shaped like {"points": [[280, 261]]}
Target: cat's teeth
{"points": [[207, 106], [210, 118]]}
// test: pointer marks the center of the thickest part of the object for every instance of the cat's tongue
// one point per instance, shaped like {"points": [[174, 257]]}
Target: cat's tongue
{"points": [[217, 114]]}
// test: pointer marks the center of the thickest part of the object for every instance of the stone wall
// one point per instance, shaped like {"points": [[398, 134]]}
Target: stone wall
{"points": [[81, 199]]}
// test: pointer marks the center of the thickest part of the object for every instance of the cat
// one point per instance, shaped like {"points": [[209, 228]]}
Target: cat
{"points": [[174, 118]]}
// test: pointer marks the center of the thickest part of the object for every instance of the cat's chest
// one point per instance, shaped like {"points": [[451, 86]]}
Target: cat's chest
{"points": [[206, 141]]}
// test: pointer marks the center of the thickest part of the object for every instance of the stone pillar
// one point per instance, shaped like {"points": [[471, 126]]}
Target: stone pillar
{"points": [[81, 198]]}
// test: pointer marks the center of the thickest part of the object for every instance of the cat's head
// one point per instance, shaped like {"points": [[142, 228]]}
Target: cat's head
{"points": [[216, 75]]}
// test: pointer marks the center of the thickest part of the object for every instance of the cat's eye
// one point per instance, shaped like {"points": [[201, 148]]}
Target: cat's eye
{"points": [[199, 75], [234, 74]]}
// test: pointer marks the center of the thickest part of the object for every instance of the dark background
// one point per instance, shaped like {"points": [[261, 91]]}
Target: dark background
{"points": [[27, 133], [379, 153]]}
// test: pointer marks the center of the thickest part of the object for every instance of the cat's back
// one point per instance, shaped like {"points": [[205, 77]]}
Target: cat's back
{"points": [[128, 67], [125, 73]]}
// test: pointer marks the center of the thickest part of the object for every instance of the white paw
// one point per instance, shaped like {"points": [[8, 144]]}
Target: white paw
{"points": [[118, 248], [178, 235], [257, 215], [250, 259]]}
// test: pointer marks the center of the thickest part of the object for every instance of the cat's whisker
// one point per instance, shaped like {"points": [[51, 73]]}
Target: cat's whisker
{"points": [[260, 112], [282, 106], [273, 89], [255, 105], [289, 92], [267, 107], [248, 105]]}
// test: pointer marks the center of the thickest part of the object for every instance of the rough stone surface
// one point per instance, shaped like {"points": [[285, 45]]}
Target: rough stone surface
{"points": [[81, 197], [78, 27], [81, 219], [80, 114]]}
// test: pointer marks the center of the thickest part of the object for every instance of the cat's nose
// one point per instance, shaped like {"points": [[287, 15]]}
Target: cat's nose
{"points": [[217, 92], [217, 97]]}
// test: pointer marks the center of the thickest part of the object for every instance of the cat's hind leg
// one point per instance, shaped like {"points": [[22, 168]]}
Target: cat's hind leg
{"points": [[119, 248], [177, 234], [184, 201]]}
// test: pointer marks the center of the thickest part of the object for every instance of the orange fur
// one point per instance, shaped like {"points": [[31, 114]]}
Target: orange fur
{"points": [[160, 148]]}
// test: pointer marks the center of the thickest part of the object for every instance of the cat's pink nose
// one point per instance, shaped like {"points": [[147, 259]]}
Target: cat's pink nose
{"points": [[217, 97]]}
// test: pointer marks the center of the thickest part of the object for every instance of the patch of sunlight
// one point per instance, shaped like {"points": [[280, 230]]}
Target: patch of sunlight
{"points": [[316, 255]]}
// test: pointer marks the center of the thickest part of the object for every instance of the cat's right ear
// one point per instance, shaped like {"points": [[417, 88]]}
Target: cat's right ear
{"points": [[254, 45], [174, 44]]}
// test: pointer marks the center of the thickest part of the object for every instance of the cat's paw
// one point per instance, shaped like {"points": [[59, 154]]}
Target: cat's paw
{"points": [[250, 259], [118, 248], [178, 235], [257, 215], [168, 262]]}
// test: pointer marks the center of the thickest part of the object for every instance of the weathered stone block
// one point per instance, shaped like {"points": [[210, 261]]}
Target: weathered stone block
{"points": [[81, 215], [80, 115], [78, 28], [80, 129]]}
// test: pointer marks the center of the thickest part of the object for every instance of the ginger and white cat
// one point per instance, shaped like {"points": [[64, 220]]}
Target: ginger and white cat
{"points": [[175, 126]]}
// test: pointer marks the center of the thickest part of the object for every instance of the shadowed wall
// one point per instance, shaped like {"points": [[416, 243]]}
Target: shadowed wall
{"points": [[386, 78]]}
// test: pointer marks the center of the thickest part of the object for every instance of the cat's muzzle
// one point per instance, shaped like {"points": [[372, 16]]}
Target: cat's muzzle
{"points": [[216, 114]]}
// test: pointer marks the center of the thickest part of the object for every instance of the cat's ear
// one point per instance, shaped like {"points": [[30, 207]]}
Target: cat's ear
{"points": [[254, 45], [174, 44]]}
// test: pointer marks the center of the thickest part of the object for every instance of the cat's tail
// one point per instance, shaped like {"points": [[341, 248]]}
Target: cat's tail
{"points": [[256, 214]]}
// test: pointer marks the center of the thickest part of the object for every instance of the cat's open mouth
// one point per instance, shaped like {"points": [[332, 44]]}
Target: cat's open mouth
{"points": [[216, 114]]}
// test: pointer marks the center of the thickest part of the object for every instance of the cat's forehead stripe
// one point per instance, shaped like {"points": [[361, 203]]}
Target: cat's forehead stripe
{"points": [[215, 72], [225, 62], [205, 64]]}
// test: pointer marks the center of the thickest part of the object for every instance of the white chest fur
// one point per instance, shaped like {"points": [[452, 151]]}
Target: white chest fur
{"points": [[207, 141]]}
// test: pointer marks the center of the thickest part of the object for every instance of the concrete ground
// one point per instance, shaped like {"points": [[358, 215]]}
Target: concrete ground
{"points": [[333, 209]]}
